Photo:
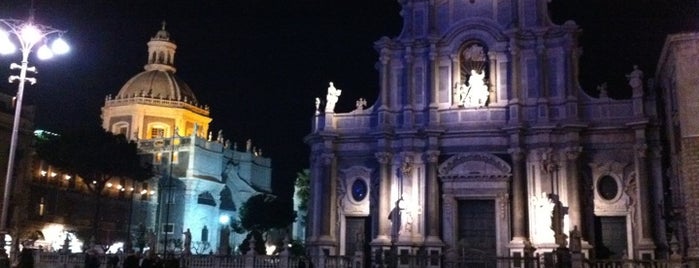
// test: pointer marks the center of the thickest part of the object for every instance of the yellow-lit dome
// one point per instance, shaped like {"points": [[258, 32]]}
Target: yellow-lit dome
{"points": [[159, 84]]}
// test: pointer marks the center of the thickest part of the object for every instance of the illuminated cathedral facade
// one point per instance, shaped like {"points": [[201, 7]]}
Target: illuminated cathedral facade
{"points": [[483, 143], [202, 179]]}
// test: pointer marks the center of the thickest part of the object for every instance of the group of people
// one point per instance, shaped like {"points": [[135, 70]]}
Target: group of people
{"points": [[132, 260]]}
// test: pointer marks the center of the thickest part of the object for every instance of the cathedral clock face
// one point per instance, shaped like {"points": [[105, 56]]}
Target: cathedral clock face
{"points": [[359, 190]]}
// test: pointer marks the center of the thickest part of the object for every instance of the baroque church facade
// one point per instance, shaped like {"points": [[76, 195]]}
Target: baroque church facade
{"points": [[482, 142], [201, 178]]}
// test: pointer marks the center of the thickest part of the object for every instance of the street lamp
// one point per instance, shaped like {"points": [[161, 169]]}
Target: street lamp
{"points": [[27, 34]]}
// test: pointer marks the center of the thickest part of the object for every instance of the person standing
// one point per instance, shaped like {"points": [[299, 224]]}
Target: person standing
{"points": [[26, 258], [131, 260], [92, 260]]}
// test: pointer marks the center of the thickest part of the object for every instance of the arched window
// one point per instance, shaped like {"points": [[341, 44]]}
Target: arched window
{"points": [[227, 200]]}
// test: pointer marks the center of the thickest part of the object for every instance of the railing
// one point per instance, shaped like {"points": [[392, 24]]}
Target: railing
{"points": [[52, 259]]}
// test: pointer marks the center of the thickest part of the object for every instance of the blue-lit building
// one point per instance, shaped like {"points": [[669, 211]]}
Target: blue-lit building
{"points": [[202, 178]]}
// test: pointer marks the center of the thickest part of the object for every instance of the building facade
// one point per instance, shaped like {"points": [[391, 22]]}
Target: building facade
{"points": [[677, 81], [202, 179], [482, 142]]}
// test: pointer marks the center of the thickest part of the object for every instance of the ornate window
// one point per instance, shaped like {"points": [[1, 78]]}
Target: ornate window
{"points": [[359, 189], [607, 188], [472, 90]]}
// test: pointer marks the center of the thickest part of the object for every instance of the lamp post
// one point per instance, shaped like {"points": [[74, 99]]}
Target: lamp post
{"points": [[27, 34]]}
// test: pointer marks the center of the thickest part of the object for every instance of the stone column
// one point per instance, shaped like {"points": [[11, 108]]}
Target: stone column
{"points": [[515, 88], [519, 193], [492, 80], [326, 199], [455, 79], [574, 209], [434, 67], [410, 88], [644, 201], [384, 58], [432, 192], [384, 196]]}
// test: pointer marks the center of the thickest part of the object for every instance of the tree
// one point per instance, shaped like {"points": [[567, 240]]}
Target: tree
{"points": [[303, 188], [262, 213], [96, 156]]}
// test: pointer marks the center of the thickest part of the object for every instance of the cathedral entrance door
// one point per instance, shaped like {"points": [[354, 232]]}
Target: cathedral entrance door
{"points": [[610, 237], [476, 228], [357, 236]]}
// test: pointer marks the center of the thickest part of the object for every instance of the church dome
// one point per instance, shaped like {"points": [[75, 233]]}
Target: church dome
{"points": [[160, 84], [158, 80]]}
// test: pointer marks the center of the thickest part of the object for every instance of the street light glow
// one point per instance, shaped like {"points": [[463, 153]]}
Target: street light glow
{"points": [[27, 34]]}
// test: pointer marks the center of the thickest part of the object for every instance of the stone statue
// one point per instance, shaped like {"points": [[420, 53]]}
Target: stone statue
{"points": [[575, 240], [219, 136], [317, 105], [360, 104], [477, 89], [544, 210], [151, 240], [331, 98], [187, 241], [395, 218], [602, 88], [248, 145], [636, 81]]}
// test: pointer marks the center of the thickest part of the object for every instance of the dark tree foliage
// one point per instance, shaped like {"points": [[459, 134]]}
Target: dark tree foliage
{"points": [[96, 156], [303, 185], [264, 212]]}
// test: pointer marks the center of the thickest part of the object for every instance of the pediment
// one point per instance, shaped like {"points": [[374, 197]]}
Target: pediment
{"points": [[474, 165]]}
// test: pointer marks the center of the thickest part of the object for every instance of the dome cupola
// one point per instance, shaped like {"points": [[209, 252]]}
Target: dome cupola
{"points": [[159, 80]]}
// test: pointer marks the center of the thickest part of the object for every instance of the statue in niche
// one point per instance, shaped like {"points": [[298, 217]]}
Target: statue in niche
{"points": [[476, 93], [636, 81], [331, 98], [474, 64]]}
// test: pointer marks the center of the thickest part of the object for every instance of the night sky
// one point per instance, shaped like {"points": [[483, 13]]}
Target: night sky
{"points": [[260, 64]]}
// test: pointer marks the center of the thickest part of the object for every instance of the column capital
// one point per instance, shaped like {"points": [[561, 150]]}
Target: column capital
{"points": [[383, 157], [327, 158], [385, 56], [516, 153], [432, 156], [572, 153], [641, 150], [656, 152]]}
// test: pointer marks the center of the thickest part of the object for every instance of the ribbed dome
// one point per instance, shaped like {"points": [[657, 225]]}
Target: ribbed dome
{"points": [[157, 84]]}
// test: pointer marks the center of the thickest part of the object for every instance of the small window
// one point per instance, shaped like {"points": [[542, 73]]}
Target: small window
{"points": [[206, 199], [157, 132], [168, 228]]}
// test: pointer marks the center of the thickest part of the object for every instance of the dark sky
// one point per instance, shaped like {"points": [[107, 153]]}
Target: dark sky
{"points": [[260, 64]]}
